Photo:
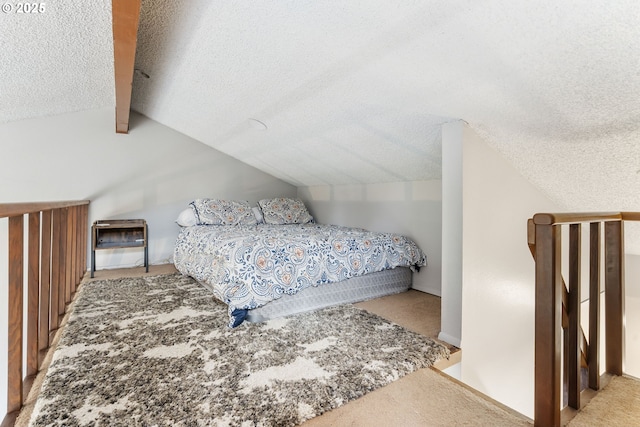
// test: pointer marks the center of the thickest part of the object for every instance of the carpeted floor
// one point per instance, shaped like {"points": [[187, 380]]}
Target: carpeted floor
{"points": [[616, 405], [156, 351], [425, 398]]}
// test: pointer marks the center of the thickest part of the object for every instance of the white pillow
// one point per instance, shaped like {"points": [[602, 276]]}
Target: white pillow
{"points": [[187, 218], [258, 214]]}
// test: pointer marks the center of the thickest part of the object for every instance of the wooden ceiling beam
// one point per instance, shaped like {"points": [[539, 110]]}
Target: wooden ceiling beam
{"points": [[126, 15]]}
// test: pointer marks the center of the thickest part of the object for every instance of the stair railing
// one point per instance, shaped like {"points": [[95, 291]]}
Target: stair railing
{"points": [[55, 249], [557, 307]]}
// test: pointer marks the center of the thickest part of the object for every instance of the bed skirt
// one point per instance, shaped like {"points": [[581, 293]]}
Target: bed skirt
{"points": [[355, 289]]}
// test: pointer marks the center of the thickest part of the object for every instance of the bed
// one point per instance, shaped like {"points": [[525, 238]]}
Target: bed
{"points": [[274, 259]]}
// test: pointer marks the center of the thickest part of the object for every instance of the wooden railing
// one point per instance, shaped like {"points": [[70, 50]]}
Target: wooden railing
{"points": [[56, 260], [557, 307]]}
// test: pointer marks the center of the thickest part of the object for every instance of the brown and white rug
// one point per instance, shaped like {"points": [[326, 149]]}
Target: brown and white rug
{"points": [[157, 351]]}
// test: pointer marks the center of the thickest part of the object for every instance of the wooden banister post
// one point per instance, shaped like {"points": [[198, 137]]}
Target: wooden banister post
{"points": [[16, 283], [74, 248], [85, 236], [33, 297], [55, 271], [573, 331], [62, 289], [614, 296], [45, 285], [548, 321], [594, 305], [69, 286]]}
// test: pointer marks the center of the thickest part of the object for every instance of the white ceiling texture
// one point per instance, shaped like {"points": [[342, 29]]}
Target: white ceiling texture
{"points": [[356, 91]]}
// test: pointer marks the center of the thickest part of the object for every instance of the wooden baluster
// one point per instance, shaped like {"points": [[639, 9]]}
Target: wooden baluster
{"points": [[594, 306], [77, 245], [62, 287], [33, 297], [45, 285], [69, 276], [573, 332], [78, 234], [614, 296], [85, 237], [16, 282], [55, 271], [548, 321], [72, 253]]}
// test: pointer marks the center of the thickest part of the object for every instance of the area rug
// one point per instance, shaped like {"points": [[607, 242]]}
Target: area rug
{"points": [[157, 351]]}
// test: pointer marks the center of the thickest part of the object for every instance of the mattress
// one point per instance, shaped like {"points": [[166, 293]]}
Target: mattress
{"points": [[355, 289]]}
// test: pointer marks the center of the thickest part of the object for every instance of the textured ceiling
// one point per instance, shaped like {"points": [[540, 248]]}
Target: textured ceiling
{"points": [[356, 91], [56, 61], [323, 76]]}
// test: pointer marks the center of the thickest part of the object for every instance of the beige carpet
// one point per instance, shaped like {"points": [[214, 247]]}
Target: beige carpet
{"points": [[618, 404], [417, 311], [423, 398]]}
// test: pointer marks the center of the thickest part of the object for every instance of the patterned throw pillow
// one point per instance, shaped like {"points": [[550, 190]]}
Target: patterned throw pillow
{"points": [[223, 212], [284, 211]]}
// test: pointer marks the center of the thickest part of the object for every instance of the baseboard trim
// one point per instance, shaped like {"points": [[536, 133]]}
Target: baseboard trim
{"points": [[443, 336]]}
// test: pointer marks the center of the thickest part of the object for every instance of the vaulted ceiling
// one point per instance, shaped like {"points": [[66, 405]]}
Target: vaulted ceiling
{"points": [[341, 92]]}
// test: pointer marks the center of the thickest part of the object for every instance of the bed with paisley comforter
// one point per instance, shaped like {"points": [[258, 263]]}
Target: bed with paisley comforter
{"points": [[277, 252]]}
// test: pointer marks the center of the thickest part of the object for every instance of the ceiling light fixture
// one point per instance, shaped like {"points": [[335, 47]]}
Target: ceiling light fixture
{"points": [[257, 124]]}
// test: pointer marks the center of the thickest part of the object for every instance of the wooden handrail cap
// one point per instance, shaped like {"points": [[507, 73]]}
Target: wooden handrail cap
{"points": [[569, 218], [13, 209], [631, 216]]}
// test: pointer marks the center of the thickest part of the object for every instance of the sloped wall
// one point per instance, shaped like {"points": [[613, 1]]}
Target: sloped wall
{"points": [[151, 173]]}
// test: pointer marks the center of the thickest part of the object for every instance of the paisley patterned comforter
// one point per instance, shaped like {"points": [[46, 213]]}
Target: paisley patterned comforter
{"points": [[247, 266]]}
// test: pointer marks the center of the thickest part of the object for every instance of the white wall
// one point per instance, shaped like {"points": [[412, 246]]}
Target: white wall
{"points": [[409, 208], [498, 276], [632, 316], [632, 275], [151, 173], [452, 168]]}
